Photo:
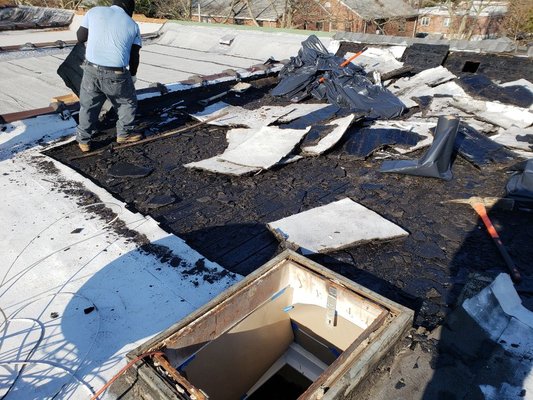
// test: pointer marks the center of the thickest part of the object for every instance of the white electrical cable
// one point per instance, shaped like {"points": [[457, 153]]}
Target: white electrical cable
{"points": [[35, 362], [32, 351], [13, 280], [4, 325], [41, 337], [52, 224]]}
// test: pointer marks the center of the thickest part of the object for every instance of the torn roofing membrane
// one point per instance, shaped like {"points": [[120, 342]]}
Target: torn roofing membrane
{"points": [[479, 149], [339, 128], [481, 86], [364, 142], [235, 116]]}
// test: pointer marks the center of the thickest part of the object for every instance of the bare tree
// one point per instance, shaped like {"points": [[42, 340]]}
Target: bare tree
{"points": [[293, 8], [518, 22], [299, 12], [391, 26], [464, 16], [251, 12], [172, 9], [231, 11], [64, 4]]}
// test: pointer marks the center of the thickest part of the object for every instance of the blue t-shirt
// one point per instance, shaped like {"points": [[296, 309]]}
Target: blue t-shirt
{"points": [[112, 32]]}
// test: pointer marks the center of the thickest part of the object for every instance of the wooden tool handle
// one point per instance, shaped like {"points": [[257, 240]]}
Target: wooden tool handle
{"points": [[482, 212], [349, 60]]}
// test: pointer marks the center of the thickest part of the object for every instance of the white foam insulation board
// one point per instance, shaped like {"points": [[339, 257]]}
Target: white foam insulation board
{"points": [[499, 114], [265, 148], [235, 116], [341, 125], [301, 110], [334, 226], [376, 59], [215, 164]]}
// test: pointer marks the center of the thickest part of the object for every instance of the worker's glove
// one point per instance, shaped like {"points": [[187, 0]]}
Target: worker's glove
{"points": [[134, 79]]}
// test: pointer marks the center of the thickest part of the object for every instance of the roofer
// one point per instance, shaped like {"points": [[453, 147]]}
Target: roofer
{"points": [[113, 43]]}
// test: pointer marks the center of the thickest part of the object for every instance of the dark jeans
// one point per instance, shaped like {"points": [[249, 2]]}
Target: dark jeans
{"points": [[97, 85]]}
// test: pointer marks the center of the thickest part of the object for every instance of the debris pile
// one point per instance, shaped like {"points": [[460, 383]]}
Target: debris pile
{"points": [[520, 185], [318, 73], [259, 145], [28, 17], [429, 95], [366, 117]]}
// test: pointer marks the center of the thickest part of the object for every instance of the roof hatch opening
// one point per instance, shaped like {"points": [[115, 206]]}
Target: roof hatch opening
{"points": [[291, 330], [470, 66]]}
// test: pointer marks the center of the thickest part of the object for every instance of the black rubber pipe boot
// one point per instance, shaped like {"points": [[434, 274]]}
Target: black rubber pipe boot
{"points": [[436, 163]]}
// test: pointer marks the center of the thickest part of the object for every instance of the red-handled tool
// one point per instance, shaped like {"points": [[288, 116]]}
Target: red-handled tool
{"points": [[349, 60], [478, 204]]}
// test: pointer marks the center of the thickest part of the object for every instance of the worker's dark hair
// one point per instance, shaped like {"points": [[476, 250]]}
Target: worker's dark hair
{"points": [[127, 5]]}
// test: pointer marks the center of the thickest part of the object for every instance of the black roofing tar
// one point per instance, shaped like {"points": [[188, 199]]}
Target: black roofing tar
{"points": [[501, 68], [421, 56], [224, 217]]}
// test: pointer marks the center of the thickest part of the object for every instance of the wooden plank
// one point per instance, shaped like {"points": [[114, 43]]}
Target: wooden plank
{"points": [[175, 375]]}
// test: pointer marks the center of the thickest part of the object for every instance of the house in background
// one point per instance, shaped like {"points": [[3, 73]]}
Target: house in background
{"points": [[267, 13], [482, 21], [391, 17]]}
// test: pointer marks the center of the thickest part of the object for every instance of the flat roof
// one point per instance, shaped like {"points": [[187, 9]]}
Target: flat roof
{"points": [[29, 80], [98, 269]]}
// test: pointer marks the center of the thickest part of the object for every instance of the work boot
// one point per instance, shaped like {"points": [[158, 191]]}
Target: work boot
{"points": [[132, 138], [85, 147]]}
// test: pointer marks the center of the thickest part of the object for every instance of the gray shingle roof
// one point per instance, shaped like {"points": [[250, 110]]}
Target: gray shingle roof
{"points": [[380, 9], [266, 10]]}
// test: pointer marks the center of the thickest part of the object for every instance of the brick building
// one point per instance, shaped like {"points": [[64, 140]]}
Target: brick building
{"points": [[479, 22], [391, 17], [267, 13]]}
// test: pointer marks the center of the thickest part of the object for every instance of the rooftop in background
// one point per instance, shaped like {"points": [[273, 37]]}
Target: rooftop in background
{"points": [[72, 256], [29, 80], [261, 10], [375, 9], [500, 45], [494, 8]]}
